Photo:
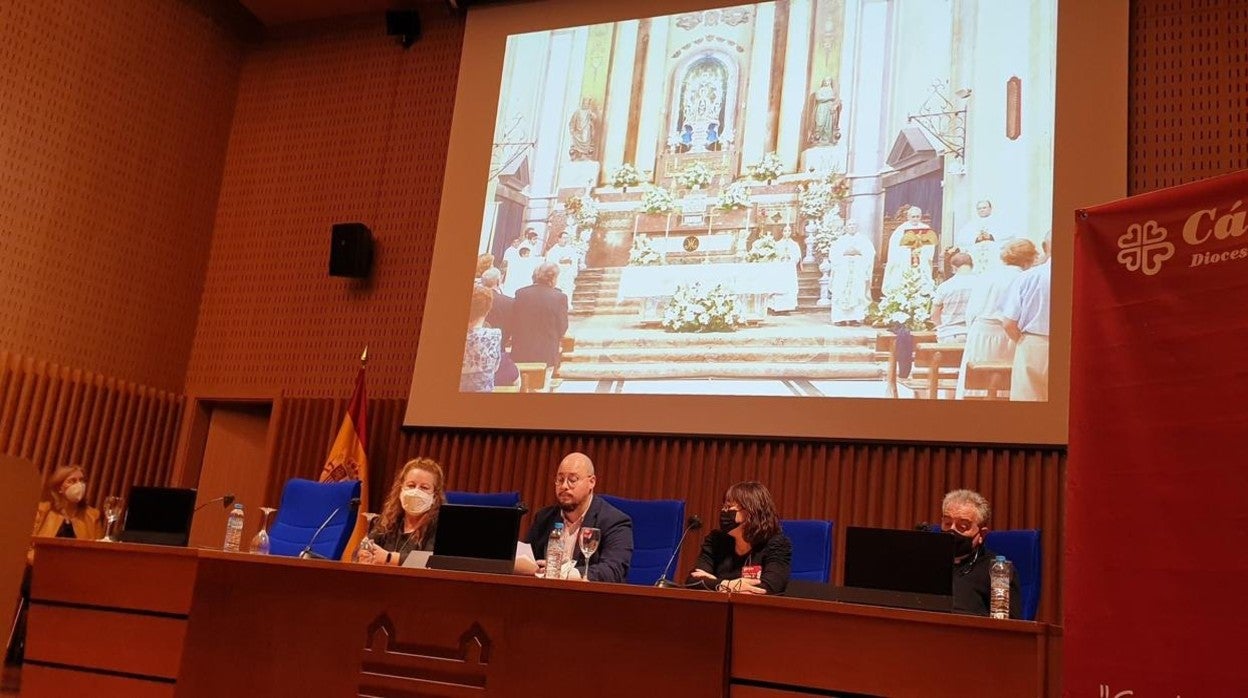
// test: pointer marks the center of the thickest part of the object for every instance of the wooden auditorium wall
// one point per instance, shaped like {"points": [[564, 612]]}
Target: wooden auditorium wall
{"points": [[114, 119]]}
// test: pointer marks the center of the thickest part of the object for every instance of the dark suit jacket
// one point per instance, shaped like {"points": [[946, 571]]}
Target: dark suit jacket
{"points": [[500, 315], [539, 319], [615, 552]]}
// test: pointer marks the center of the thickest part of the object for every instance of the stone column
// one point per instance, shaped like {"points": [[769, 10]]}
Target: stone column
{"points": [[650, 132], [753, 133], [551, 135], [795, 87], [619, 93], [864, 64]]}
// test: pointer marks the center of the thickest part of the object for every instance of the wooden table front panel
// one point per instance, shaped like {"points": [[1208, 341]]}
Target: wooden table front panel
{"points": [[269, 626], [802, 644]]}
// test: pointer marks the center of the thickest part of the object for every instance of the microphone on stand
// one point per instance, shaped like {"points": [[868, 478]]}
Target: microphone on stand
{"points": [[308, 553], [694, 524], [225, 499]]}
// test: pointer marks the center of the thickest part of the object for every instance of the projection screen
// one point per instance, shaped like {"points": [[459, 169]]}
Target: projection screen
{"points": [[811, 218]]}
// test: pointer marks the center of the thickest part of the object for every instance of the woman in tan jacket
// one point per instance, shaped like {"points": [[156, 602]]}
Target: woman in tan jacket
{"points": [[64, 513]]}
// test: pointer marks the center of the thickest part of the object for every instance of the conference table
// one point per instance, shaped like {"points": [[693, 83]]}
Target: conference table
{"points": [[117, 619]]}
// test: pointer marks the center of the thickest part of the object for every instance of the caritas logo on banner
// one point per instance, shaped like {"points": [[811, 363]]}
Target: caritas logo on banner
{"points": [[1146, 247]]}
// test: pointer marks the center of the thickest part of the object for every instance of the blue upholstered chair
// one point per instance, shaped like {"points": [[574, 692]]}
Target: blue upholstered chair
{"points": [[1021, 547], [305, 506], [657, 525], [486, 499], [812, 549]]}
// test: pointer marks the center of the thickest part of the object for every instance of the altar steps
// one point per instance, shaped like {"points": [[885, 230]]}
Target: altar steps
{"points": [[672, 370], [597, 292], [794, 346]]}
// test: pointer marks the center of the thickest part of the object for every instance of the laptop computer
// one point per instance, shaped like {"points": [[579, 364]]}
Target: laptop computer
{"points": [[902, 568], [476, 538], [159, 516]]}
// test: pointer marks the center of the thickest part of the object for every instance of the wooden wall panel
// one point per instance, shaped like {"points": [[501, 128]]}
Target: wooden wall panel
{"points": [[888, 485], [122, 433], [335, 122], [114, 118], [1188, 92]]}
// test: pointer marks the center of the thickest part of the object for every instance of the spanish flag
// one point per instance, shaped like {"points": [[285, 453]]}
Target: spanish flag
{"points": [[348, 456]]}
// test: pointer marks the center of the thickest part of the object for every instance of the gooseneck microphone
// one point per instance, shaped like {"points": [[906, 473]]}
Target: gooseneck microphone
{"points": [[225, 499], [308, 553], [693, 524]]}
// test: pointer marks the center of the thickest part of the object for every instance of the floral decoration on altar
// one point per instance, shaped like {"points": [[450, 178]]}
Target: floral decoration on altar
{"points": [[694, 176], [627, 176], [816, 198], [764, 249], [658, 200], [694, 308], [643, 253], [766, 170], [734, 196], [908, 305], [582, 210]]}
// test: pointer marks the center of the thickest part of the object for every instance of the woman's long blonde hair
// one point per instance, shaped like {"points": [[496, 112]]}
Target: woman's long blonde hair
{"points": [[53, 487], [392, 511]]}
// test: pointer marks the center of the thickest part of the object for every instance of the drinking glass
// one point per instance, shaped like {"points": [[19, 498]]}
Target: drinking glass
{"points": [[590, 538], [260, 543], [367, 542], [112, 512]]}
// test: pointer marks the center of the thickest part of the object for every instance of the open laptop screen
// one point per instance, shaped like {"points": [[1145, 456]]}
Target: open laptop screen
{"points": [[480, 532], [159, 515]]}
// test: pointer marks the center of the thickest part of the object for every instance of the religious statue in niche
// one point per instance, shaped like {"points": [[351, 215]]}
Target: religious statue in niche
{"points": [[584, 130], [702, 105], [824, 115]]}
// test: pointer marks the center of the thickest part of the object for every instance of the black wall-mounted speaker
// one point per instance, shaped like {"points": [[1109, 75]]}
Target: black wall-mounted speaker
{"points": [[351, 250], [404, 24]]}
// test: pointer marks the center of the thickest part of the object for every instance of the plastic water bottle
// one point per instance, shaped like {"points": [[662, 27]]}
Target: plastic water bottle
{"points": [[999, 587], [234, 530], [554, 553]]}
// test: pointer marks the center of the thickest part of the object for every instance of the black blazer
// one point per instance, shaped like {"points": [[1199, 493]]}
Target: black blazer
{"points": [[775, 555], [539, 319], [610, 562]]}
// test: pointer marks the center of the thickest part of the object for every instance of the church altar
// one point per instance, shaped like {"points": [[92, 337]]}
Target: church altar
{"points": [[752, 283]]}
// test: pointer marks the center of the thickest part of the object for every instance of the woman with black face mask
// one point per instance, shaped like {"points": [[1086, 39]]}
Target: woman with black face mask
{"points": [[748, 553]]}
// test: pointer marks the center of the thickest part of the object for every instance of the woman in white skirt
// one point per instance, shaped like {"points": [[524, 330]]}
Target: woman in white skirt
{"points": [[986, 339]]}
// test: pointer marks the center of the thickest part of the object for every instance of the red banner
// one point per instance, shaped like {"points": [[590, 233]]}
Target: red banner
{"points": [[1156, 563]]}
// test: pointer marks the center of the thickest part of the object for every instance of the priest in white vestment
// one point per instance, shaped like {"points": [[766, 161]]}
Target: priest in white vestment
{"points": [[510, 255], [568, 258], [981, 238], [852, 257], [913, 244], [520, 272], [790, 252]]}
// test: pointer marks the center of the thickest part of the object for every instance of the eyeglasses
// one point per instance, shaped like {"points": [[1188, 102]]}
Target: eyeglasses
{"points": [[959, 525], [570, 481]]}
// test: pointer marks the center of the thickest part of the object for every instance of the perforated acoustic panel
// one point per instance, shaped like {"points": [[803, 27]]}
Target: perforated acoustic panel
{"points": [[339, 125], [113, 125], [1189, 91]]}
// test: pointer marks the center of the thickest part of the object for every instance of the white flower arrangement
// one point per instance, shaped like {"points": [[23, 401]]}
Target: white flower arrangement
{"points": [[658, 200], [764, 249], [908, 305], [694, 176], [643, 253], [582, 210], [816, 197], [734, 196], [767, 169], [694, 308], [627, 176]]}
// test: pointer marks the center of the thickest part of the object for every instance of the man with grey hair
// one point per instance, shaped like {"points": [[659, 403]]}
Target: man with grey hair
{"points": [[578, 509], [539, 318], [965, 515]]}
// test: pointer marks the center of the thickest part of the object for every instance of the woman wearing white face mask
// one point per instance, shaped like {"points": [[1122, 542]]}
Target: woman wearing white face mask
{"points": [[65, 512], [409, 517]]}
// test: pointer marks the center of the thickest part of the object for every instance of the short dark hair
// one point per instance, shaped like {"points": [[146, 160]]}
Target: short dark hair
{"points": [[482, 301]]}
